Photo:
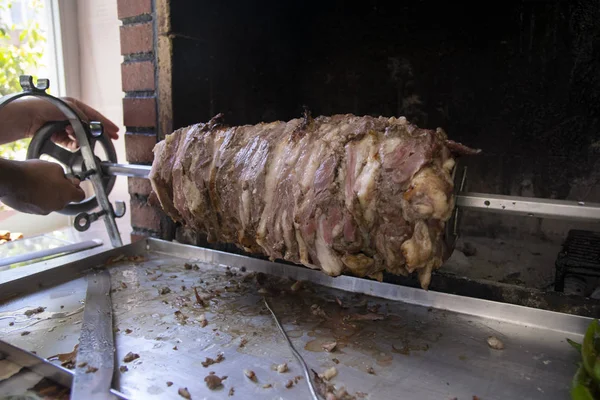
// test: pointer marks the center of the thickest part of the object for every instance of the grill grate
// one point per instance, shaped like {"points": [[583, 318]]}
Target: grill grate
{"points": [[580, 256]]}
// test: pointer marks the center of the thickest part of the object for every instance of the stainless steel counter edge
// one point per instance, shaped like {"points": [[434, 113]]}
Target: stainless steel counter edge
{"points": [[36, 276], [74, 265]]}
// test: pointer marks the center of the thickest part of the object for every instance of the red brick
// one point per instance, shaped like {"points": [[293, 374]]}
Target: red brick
{"points": [[153, 199], [137, 76], [136, 236], [137, 38], [132, 8], [139, 186], [138, 147], [145, 216], [139, 111]]}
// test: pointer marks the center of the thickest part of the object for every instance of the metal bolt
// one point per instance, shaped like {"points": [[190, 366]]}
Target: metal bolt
{"points": [[96, 128]]}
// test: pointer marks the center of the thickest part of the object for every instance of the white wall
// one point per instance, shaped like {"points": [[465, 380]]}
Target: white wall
{"points": [[100, 70]]}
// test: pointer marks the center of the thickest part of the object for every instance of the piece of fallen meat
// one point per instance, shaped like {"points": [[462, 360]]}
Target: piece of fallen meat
{"points": [[164, 290], [281, 368], [181, 317], [495, 343], [183, 392], [250, 375], [328, 391], [210, 361], [296, 286], [212, 381], [202, 319], [318, 311], [329, 373], [198, 299], [36, 310], [123, 368], [231, 391], [329, 347], [129, 357], [348, 194]]}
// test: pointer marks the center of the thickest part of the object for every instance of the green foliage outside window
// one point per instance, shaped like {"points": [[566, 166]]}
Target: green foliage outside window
{"points": [[21, 52]]}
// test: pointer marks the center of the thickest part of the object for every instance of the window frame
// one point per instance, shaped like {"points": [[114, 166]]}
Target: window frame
{"points": [[63, 42]]}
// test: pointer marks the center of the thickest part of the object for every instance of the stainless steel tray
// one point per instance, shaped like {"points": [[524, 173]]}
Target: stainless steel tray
{"points": [[393, 341]]}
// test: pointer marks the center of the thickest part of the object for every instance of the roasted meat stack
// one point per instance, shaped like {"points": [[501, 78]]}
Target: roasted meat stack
{"points": [[343, 194]]}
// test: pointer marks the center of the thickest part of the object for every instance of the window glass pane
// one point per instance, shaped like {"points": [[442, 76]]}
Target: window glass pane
{"points": [[26, 48], [23, 51]]}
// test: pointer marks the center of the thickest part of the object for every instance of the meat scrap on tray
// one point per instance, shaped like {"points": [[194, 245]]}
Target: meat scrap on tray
{"points": [[341, 193]]}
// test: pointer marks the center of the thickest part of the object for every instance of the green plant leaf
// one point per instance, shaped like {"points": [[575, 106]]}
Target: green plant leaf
{"points": [[581, 385], [576, 346], [19, 60], [590, 352]]}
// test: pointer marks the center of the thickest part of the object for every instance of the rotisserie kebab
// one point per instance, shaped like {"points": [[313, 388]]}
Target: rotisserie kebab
{"points": [[341, 193]]}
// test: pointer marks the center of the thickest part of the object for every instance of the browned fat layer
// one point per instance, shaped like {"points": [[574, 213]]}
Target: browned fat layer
{"points": [[342, 193], [161, 178]]}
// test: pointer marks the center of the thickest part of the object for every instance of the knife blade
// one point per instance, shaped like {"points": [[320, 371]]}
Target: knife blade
{"points": [[96, 354], [41, 366]]}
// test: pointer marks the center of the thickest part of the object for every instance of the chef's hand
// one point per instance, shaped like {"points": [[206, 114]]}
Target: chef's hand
{"points": [[24, 117], [37, 187]]}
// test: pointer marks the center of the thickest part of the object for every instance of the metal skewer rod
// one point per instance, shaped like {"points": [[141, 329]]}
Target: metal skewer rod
{"points": [[132, 170], [500, 204]]}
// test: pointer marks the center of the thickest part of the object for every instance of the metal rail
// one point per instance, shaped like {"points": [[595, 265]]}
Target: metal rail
{"points": [[529, 206]]}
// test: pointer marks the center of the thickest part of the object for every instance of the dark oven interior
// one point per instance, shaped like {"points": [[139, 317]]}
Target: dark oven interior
{"points": [[520, 80]]}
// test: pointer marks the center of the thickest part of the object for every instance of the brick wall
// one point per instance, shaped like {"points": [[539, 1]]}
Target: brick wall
{"points": [[139, 80]]}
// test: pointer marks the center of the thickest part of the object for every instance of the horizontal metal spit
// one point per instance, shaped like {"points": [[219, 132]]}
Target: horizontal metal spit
{"points": [[496, 203]]}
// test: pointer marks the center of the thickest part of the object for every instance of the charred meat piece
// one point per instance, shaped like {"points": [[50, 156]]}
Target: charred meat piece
{"points": [[129, 357], [343, 194]]}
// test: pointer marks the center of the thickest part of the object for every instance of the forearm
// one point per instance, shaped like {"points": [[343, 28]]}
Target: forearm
{"points": [[16, 119], [10, 176]]}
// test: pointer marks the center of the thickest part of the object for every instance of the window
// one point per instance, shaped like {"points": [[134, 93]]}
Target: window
{"points": [[30, 44]]}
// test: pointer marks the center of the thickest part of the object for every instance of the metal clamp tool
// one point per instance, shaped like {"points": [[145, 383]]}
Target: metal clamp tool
{"points": [[82, 163]]}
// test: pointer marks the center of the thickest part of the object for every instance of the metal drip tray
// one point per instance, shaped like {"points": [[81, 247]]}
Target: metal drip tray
{"points": [[392, 341]]}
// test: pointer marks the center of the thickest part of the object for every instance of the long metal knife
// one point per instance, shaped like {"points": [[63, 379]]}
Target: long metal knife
{"points": [[96, 353]]}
